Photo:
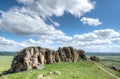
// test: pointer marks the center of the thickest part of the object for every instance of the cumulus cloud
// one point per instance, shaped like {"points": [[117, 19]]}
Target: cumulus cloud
{"points": [[54, 22], [85, 37], [106, 33], [31, 42], [46, 8], [91, 21], [103, 48], [6, 42], [10, 45], [94, 39], [97, 34], [30, 19], [25, 24], [97, 40]]}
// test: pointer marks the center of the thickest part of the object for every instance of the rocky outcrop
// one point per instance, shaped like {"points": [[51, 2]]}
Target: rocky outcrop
{"points": [[36, 57], [115, 68], [82, 54], [94, 58]]}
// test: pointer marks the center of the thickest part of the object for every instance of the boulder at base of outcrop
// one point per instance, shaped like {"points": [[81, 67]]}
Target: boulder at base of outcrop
{"points": [[94, 58], [36, 57]]}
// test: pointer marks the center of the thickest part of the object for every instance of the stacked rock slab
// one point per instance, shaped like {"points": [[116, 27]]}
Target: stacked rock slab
{"points": [[36, 57]]}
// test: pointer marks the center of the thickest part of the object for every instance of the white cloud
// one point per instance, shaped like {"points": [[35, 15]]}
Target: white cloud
{"points": [[85, 37], [54, 22], [6, 42], [117, 40], [41, 42], [91, 21], [97, 34], [30, 20], [92, 41], [106, 33], [48, 8], [10, 45], [104, 48], [25, 24]]}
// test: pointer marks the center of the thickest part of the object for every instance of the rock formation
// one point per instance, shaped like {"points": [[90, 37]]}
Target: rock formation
{"points": [[94, 58], [115, 68], [36, 57]]}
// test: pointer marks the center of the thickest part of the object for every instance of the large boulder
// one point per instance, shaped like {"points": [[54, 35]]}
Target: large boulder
{"points": [[94, 58], [36, 57]]}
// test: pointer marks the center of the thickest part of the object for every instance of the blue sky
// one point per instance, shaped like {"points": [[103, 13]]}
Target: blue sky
{"points": [[92, 25]]}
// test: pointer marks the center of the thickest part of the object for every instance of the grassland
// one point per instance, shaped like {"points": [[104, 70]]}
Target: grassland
{"points": [[5, 62], [78, 70], [108, 61]]}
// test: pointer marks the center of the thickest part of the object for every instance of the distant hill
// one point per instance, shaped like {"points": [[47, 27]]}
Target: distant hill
{"points": [[6, 53], [103, 53]]}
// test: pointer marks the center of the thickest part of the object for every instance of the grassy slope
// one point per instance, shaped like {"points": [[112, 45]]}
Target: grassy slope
{"points": [[110, 61], [78, 70]]}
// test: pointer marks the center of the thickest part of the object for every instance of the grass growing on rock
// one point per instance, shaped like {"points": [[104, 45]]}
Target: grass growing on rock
{"points": [[69, 70]]}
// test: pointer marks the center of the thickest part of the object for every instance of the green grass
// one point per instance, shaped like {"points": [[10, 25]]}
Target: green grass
{"points": [[5, 62], [110, 61], [69, 70]]}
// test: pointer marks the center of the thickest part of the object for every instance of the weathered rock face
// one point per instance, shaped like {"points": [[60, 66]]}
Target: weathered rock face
{"points": [[36, 57], [82, 54]]}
